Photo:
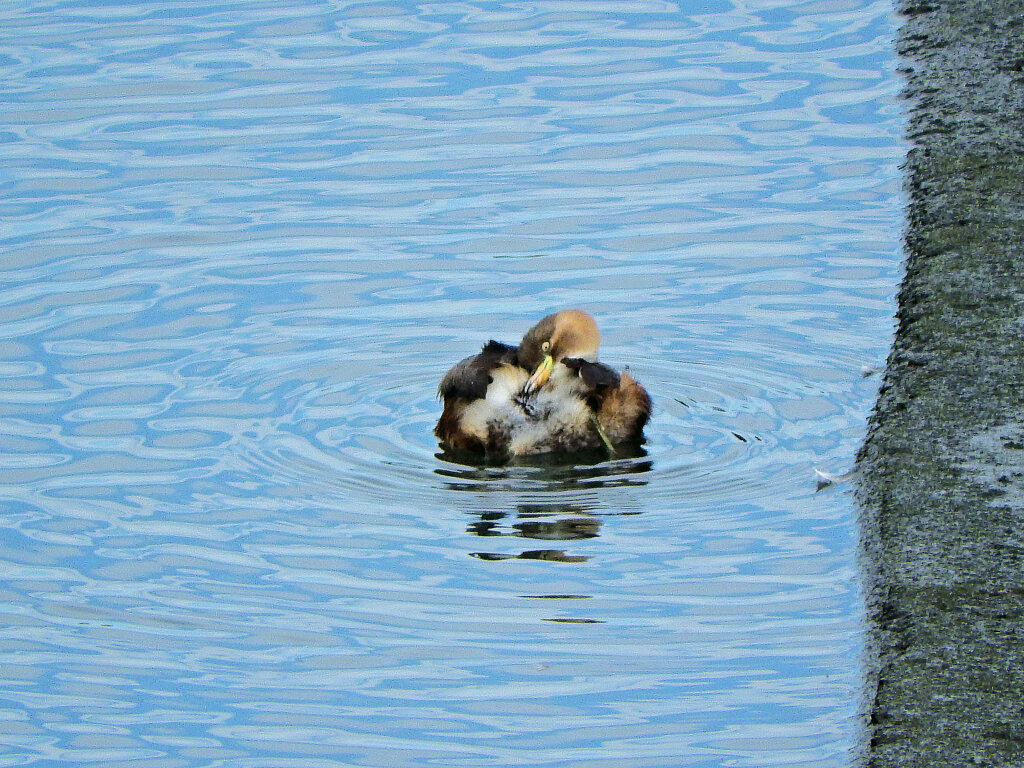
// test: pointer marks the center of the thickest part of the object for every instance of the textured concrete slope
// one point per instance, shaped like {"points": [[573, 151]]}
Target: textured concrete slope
{"points": [[942, 487]]}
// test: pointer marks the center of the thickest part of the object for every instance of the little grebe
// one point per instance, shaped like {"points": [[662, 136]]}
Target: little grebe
{"points": [[549, 394]]}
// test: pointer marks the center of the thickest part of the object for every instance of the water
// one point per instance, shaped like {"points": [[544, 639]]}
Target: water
{"points": [[242, 242]]}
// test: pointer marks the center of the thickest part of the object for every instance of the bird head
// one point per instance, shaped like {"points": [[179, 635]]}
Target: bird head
{"points": [[565, 334]]}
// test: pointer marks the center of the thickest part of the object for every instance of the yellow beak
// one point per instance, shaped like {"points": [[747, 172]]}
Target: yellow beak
{"points": [[539, 376]]}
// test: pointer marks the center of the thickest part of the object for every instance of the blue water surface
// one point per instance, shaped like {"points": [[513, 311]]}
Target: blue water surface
{"points": [[241, 242]]}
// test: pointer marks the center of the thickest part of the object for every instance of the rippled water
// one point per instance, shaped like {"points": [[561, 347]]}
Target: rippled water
{"points": [[241, 243]]}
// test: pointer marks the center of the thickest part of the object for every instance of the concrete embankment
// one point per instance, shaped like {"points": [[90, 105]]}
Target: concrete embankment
{"points": [[942, 468]]}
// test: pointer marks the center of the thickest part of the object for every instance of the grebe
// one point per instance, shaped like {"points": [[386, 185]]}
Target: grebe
{"points": [[548, 395]]}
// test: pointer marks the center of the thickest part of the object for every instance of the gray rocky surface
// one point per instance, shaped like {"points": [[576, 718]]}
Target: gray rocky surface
{"points": [[942, 469]]}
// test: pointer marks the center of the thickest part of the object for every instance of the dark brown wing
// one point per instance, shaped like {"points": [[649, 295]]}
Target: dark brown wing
{"points": [[621, 405], [594, 375], [623, 410], [465, 382], [469, 378]]}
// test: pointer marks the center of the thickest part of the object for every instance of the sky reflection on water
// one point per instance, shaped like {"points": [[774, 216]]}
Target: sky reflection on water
{"points": [[241, 245]]}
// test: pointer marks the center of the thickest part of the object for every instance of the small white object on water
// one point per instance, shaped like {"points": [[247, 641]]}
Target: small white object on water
{"points": [[870, 370], [825, 479]]}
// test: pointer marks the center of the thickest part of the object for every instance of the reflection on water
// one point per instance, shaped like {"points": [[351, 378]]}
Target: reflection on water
{"points": [[564, 529], [542, 512], [551, 555], [242, 243], [571, 528]]}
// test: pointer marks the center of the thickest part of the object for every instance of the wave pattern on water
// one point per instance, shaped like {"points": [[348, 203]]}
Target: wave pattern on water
{"points": [[241, 245]]}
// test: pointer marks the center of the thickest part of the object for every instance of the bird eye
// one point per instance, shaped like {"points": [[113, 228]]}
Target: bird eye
{"points": [[545, 346]]}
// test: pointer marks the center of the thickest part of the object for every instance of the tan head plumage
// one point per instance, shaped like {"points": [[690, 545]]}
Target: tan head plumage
{"points": [[566, 334]]}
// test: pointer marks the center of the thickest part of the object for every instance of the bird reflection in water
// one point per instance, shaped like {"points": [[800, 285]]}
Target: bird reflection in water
{"points": [[543, 501], [579, 526]]}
